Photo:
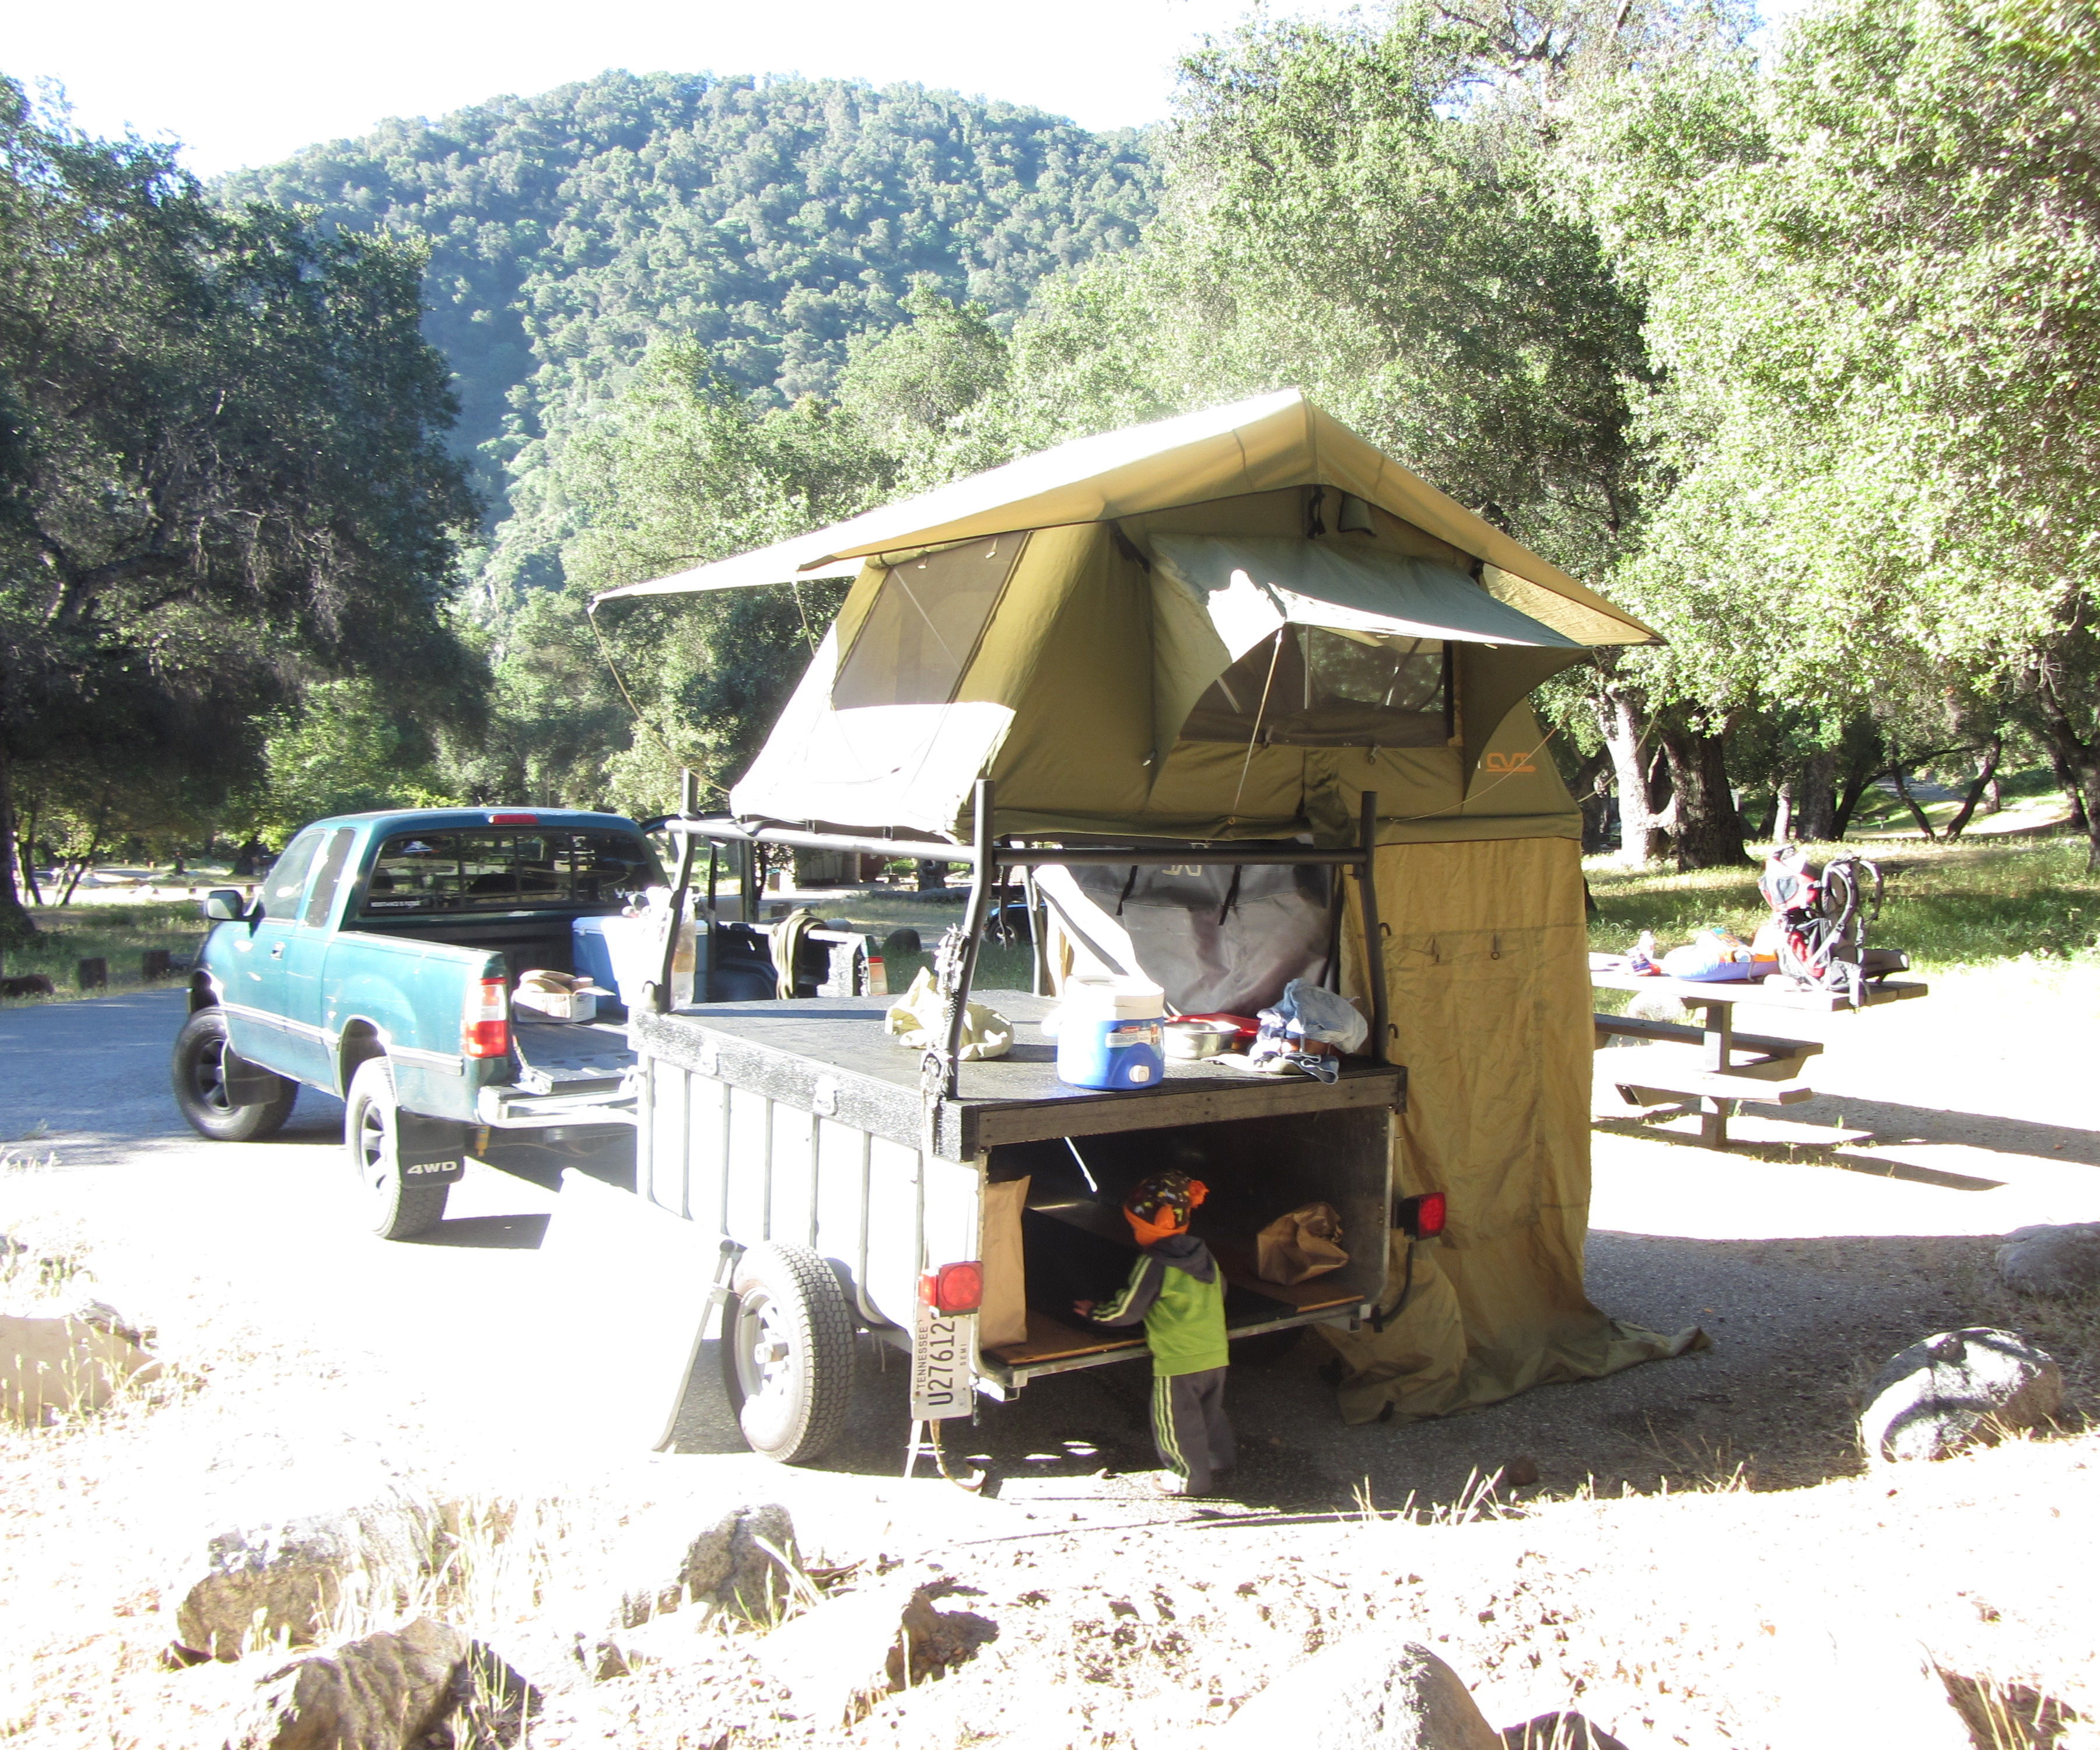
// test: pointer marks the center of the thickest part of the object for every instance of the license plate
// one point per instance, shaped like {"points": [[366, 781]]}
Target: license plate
{"points": [[942, 1345]]}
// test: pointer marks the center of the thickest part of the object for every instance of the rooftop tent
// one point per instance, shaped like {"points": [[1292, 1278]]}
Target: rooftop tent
{"points": [[1229, 625], [1234, 625]]}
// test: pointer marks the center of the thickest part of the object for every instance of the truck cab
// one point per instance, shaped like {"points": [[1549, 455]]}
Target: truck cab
{"points": [[377, 961]]}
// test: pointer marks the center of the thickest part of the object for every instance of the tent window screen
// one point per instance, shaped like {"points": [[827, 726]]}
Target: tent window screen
{"points": [[927, 616], [1311, 687]]}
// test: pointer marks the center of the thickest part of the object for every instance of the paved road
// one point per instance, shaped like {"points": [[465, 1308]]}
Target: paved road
{"points": [[447, 1322]]}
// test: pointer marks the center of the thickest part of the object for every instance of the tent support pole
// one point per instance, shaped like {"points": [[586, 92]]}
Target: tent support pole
{"points": [[1373, 931], [689, 804], [984, 875]]}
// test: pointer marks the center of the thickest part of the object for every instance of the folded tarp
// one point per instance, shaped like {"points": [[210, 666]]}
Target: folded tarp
{"points": [[1215, 598], [1251, 585]]}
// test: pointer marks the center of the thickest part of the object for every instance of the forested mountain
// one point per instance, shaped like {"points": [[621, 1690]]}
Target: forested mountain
{"points": [[767, 220]]}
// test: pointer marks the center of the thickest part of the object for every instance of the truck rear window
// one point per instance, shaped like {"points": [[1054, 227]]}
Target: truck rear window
{"points": [[501, 869]]}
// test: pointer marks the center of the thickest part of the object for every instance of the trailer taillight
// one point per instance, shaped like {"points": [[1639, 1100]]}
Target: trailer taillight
{"points": [[953, 1289], [1420, 1218], [485, 1027]]}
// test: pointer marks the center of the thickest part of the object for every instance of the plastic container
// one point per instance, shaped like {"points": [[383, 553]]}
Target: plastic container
{"points": [[1109, 1032], [624, 953]]}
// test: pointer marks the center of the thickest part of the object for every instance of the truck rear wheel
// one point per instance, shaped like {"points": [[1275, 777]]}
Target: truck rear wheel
{"points": [[208, 1075], [787, 1353], [372, 1132]]}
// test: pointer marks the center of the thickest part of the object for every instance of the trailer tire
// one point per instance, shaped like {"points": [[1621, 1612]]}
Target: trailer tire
{"points": [[198, 1069], [371, 1135], [787, 1353]]}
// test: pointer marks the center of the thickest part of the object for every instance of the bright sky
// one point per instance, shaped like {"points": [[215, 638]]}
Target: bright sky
{"points": [[249, 82]]}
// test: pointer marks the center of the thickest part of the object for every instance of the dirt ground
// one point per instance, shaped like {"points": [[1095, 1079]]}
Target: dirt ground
{"points": [[308, 1365]]}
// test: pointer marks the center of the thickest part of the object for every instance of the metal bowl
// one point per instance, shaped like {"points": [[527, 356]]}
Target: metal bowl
{"points": [[1195, 1039]]}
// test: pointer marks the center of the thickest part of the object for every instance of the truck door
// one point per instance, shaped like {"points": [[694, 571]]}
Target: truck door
{"points": [[305, 951], [257, 1020]]}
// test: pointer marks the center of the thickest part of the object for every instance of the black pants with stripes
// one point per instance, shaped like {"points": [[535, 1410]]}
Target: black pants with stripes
{"points": [[1189, 1428]]}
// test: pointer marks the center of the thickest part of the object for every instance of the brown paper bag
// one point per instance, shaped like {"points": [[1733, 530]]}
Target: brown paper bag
{"points": [[1003, 1318], [1297, 1247]]}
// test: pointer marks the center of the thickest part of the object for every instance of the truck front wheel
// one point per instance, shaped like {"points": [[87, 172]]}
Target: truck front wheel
{"points": [[219, 1093], [372, 1132], [787, 1353]]}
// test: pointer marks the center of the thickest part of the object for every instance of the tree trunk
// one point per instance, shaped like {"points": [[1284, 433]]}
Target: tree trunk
{"points": [[1782, 811], [1641, 834], [1592, 791], [2077, 762], [1910, 802], [16, 925], [1987, 779], [1815, 821], [1709, 831]]}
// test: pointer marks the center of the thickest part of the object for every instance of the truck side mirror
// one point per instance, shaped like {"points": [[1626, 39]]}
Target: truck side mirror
{"points": [[225, 905]]}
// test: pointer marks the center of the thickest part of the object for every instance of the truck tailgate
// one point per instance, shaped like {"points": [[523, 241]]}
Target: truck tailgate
{"points": [[570, 1057]]}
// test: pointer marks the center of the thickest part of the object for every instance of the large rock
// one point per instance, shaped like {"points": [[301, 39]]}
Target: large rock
{"points": [[735, 1563], [263, 1581], [386, 1691], [1956, 1390], [424, 1683], [1365, 1694], [2061, 1261], [51, 1367]]}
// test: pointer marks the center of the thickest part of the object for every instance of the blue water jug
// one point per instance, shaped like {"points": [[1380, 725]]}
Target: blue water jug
{"points": [[1108, 1033]]}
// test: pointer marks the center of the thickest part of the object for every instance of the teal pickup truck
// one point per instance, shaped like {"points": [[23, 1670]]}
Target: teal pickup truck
{"points": [[377, 961]]}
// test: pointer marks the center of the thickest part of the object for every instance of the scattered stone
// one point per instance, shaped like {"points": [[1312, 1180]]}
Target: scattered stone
{"points": [[2060, 1262], [840, 1658], [105, 1317], [263, 1581], [1364, 1694], [1956, 1390], [1519, 1472], [1559, 1732], [53, 1367], [900, 942]]}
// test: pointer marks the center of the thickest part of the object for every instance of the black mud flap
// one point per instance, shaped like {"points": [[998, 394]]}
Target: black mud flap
{"points": [[431, 1151], [246, 1084]]}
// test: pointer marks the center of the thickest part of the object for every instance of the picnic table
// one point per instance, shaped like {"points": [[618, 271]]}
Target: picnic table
{"points": [[1723, 1067]]}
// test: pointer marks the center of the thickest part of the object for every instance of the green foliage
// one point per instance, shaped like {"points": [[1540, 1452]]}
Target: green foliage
{"points": [[338, 751], [769, 223], [225, 471]]}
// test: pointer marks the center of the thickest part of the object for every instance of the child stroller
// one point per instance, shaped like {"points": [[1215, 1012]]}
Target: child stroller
{"points": [[1821, 917]]}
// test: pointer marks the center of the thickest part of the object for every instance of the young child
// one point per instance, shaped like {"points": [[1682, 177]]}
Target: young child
{"points": [[1177, 1289]]}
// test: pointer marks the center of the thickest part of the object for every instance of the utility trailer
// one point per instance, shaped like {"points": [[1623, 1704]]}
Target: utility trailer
{"points": [[853, 1184]]}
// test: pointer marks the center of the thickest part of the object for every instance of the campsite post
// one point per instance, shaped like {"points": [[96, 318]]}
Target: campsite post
{"points": [[1373, 931]]}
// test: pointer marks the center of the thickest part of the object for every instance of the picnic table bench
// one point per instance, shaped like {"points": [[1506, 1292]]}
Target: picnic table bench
{"points": [[1711, 1063]]}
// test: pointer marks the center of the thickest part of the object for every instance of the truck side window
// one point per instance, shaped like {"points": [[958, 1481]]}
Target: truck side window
{"points": [[322, 899], [287, 879]]}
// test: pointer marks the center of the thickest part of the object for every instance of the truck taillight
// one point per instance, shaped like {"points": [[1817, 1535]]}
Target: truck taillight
{"points": [[485, 1028], [953, 1289]]}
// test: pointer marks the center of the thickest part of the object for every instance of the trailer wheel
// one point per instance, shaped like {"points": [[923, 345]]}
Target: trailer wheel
{"points": [[204, 1089], [787, 1352], [372, 1132]]}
